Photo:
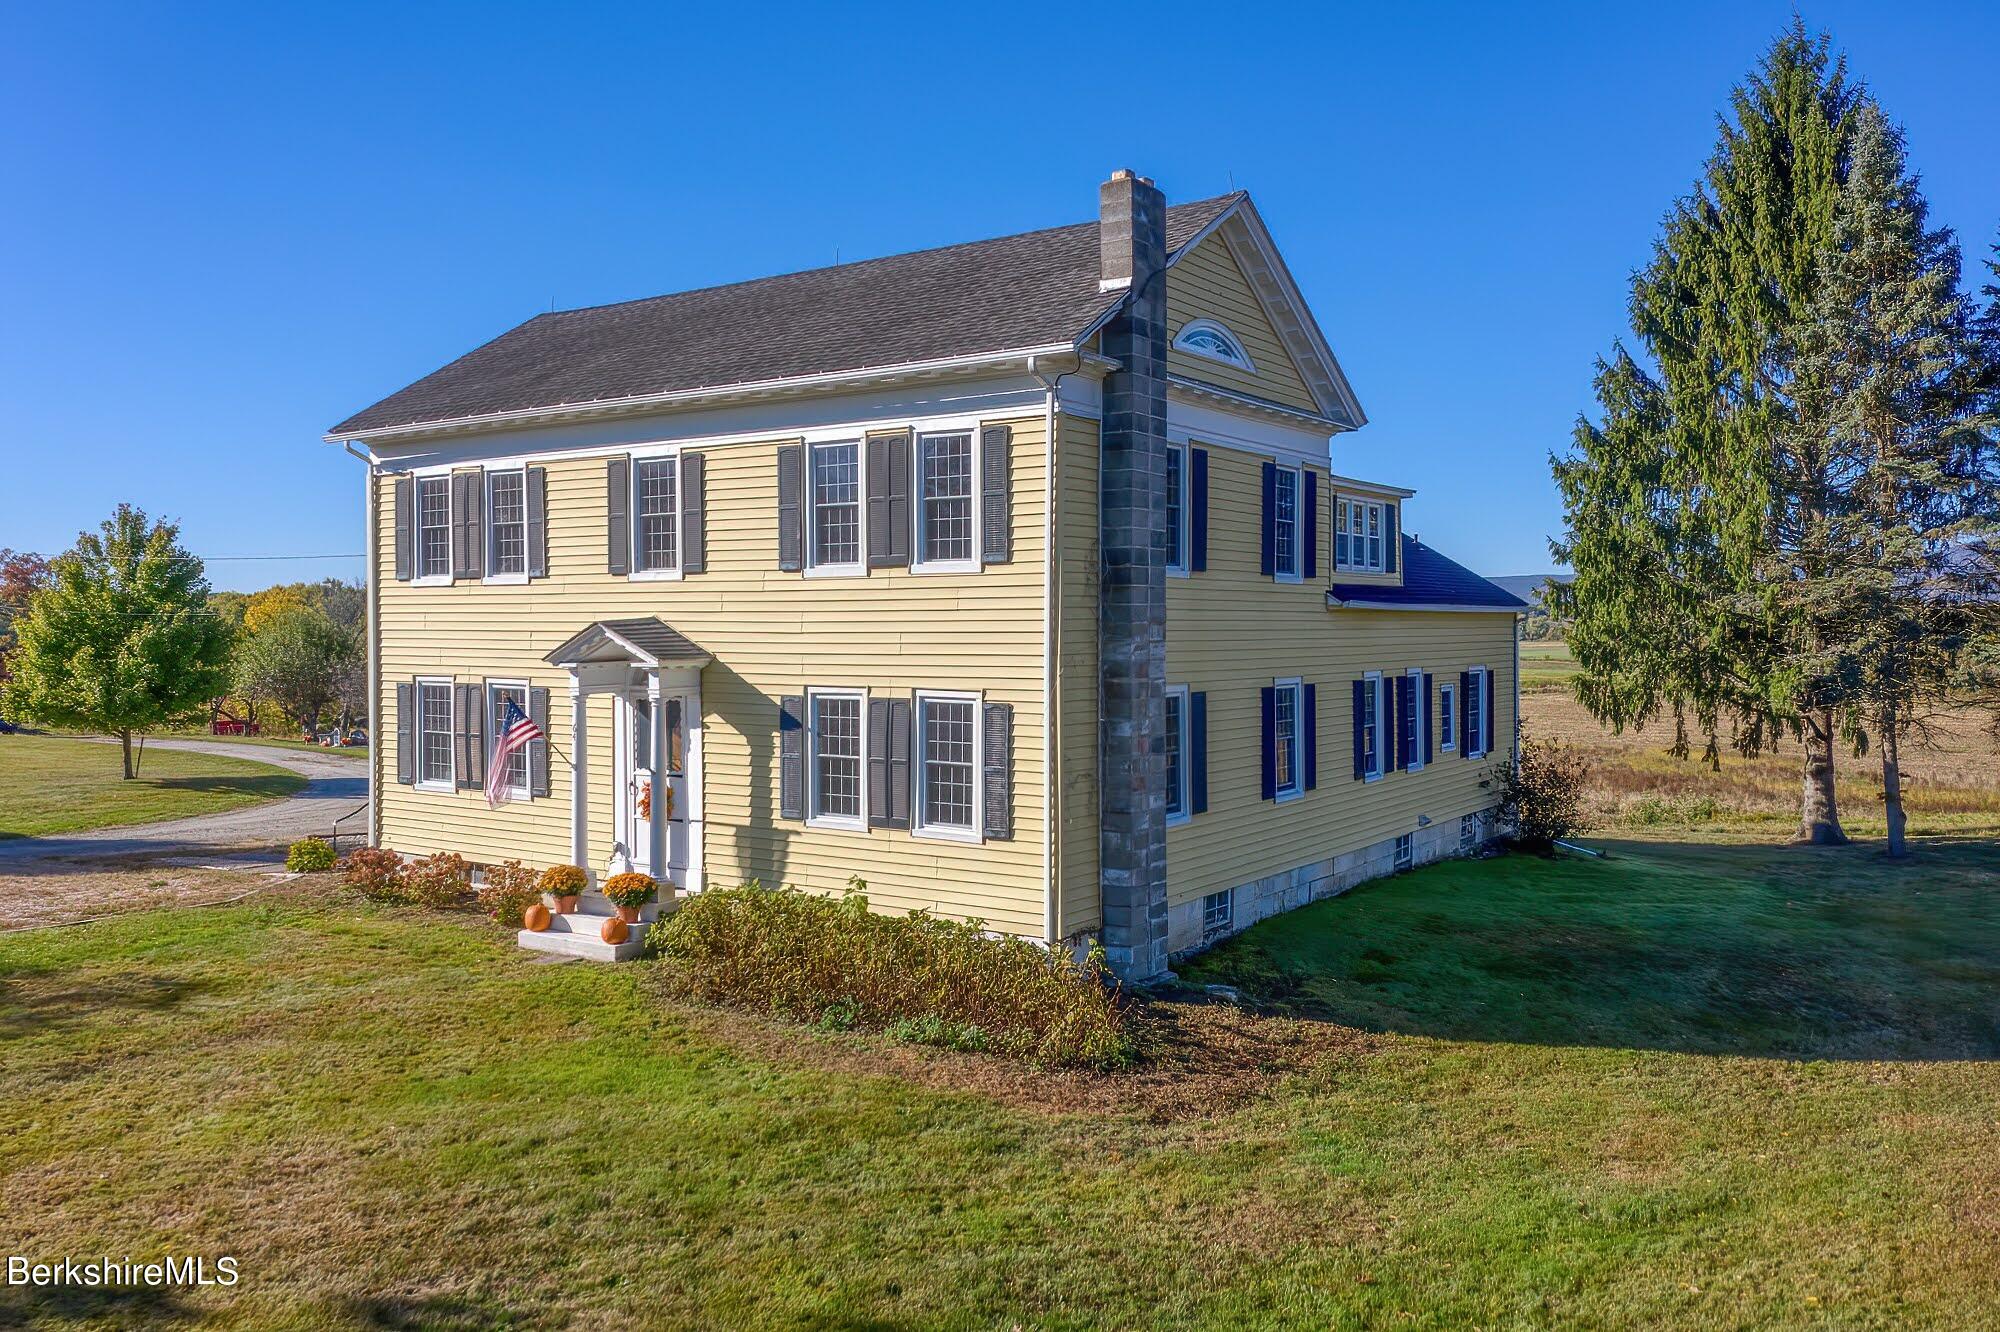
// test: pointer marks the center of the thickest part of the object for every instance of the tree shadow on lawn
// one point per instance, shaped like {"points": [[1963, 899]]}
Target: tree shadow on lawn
{"points": [[34, 1001], [94, 1306], [1773, 951], [270, 786]]}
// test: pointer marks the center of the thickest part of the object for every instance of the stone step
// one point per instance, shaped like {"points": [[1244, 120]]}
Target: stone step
{"points": [[585, 945], [596, 904]]}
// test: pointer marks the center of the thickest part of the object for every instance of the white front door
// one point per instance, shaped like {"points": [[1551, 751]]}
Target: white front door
{"points": [[677, 798], [635, 788]]}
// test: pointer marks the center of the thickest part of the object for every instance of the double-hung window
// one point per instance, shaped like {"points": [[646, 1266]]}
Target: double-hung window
{"points": [[1287, 735], [433, 728], [1478, 726], [433, 527], [946, 526], [834, 492], [656, 515], [1178, 805], [507, 524], [1448, 717], [1177, 509], [1285, 524], [498, 696], [838, 761], [947, 745], [1357, 536], [1371, 726], [1414, 721]]}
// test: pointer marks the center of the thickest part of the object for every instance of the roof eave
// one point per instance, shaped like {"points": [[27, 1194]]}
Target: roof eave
{"points": [[1334, 602]]}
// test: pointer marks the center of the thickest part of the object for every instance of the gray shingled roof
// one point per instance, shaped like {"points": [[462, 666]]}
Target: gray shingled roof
{"points": [[649, 634], [1030, 290], [1429, 579]]}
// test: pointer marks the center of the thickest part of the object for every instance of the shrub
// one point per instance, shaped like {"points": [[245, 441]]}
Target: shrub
{"points": [[379, 874], [832, 963], [630, 890], [440, 880], [1542, 796], [510, 888], [563, 880], [310, 855]]}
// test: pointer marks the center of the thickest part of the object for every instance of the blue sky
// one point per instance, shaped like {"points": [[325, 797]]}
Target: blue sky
{"points": [[225, 230]]}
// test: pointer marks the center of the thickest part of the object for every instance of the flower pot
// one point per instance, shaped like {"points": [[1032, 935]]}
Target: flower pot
{"points": [[536, 917], [629, 915], [567, 902], [615, 931]]}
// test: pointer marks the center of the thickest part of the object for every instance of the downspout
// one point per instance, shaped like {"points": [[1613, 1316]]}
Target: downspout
{"points": [[370, 538], [1051, 660]]}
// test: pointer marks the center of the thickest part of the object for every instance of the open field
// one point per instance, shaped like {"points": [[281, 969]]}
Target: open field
{"points": [[1695, 1084], [56, 784], [1546, 665]]}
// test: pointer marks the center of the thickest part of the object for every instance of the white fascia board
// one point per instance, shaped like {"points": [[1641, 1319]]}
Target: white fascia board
{"points": [[1318, 351], [1354, 485], [1192, 420], [1421, 608]]}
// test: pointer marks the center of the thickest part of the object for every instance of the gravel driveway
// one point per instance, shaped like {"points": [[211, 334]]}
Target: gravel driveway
{"points": [[336, 782]]}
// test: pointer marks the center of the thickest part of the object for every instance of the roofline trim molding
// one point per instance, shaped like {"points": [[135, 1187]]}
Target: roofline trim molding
{"points": [[1425, 607]]}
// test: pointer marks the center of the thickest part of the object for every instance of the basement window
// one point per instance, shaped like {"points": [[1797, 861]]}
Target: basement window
{"points": [[1406, 850], [1217, 911]]}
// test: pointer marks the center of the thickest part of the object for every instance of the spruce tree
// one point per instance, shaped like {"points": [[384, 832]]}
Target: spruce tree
{"points": [[1681, 512]]}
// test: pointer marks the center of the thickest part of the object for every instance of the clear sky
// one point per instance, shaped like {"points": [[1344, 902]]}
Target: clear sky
{"points": [[224, 230]]}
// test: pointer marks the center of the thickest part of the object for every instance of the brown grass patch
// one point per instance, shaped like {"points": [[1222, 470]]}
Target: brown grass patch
{"points": [[95, 889]]}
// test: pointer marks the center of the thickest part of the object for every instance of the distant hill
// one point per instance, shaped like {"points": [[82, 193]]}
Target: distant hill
{"points": [[1528, 587]]}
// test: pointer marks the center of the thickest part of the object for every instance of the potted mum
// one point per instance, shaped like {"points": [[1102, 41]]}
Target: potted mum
{"points": [[629, 892], [563, 885]]}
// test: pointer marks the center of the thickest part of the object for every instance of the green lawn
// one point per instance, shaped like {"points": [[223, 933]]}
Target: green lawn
{"points": [[1546, 665], [1570, 1119], [54, 784]]}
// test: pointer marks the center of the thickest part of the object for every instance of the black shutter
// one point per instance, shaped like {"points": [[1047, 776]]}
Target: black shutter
{"points": [[406, 732], [1268, 789], [618, 514], [1198, 503], [538, 522], [1409, 687], [997, 739], [468, 731], [1394, 752], [538, 750], [1198, 752], [996, 520], [901, 736], [791, 509], [878, 763], [1430, 719], [889, 501], [405, 518], [1486, 717], [792, 757], [1309, 701], [1270, 544], [1360, 722], [1464, 719], [694, 520], [1309, 523], [468, 525], [1390, 541]]}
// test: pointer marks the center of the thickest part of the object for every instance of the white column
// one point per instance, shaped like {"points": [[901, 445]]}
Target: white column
{"points": [[656, 826], [579, 793], [692, 720]]}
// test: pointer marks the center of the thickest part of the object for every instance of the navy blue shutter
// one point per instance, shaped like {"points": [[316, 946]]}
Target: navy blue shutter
{"points": [[1270, 559], [1464, 718], [1310, 702], [1198, 505], [1486, 717], [1269, 788], [1360, 723], [1390, 541], [1309, 523], [1394, 749], [1198, 752], [1430, 720], [1407, 687]]}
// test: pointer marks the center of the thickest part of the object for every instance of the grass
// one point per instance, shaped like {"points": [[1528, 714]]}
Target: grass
{"points": [[1546, 665], [54, 784], [1571, 1115]]}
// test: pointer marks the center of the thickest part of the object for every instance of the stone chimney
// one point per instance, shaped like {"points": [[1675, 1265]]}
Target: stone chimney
{"points": [[1132, 585]]}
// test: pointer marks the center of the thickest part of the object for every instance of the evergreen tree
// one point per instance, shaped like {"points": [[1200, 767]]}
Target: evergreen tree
{"points": [[1886, 389], [122, 639], [1683, 515]]}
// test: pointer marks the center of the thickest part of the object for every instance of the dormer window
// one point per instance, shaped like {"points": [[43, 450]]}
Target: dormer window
{"points": [[1205, 337], [1358, 535]]}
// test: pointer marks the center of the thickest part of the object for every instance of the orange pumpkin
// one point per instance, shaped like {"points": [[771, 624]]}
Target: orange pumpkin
{"points": [[615, 931], [536, 917]]}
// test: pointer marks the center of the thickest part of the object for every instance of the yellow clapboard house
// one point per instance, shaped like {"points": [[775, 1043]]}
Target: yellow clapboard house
{"points": [[1016, 578]]}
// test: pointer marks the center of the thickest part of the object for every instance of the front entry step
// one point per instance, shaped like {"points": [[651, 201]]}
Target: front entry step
{"points": [[576, 934]]}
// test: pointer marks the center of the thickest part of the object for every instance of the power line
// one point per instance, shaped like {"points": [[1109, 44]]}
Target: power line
{"points": [[223, 559]]}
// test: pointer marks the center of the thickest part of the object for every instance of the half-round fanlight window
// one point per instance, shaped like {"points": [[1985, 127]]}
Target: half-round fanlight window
{"points": [[1205, 337]]}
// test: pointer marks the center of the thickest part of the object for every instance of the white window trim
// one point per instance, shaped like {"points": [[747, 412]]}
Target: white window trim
{"points": [[1241, 359], [423, 783], [1228, 921], [1186, 792], [1405, 855], [814, 819], [1298, 787], [977, 461], [1422, 714], [491, 578], [1186, 497], [1448, 735], [1482, 743], [858, 567], [1299, 527], [492, 734], [1380, 765], [945, 832], [417, 479], [1365, 506], [632, 540]]}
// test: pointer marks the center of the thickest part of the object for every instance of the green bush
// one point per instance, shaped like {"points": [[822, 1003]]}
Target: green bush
{"points": [[378, 874], [310, 855], [508, 889], [832, 963]]}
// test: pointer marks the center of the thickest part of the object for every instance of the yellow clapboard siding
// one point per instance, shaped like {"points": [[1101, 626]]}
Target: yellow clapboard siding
{"points": [[1206, 283], [771, 633], [1079, 908]]}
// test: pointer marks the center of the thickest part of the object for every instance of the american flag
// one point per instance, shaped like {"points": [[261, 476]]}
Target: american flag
{"points": [[517, 731]]}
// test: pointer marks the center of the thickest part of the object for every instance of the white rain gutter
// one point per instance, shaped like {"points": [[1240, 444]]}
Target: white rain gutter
{"points": [[369, 538], [1051, 659]]}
